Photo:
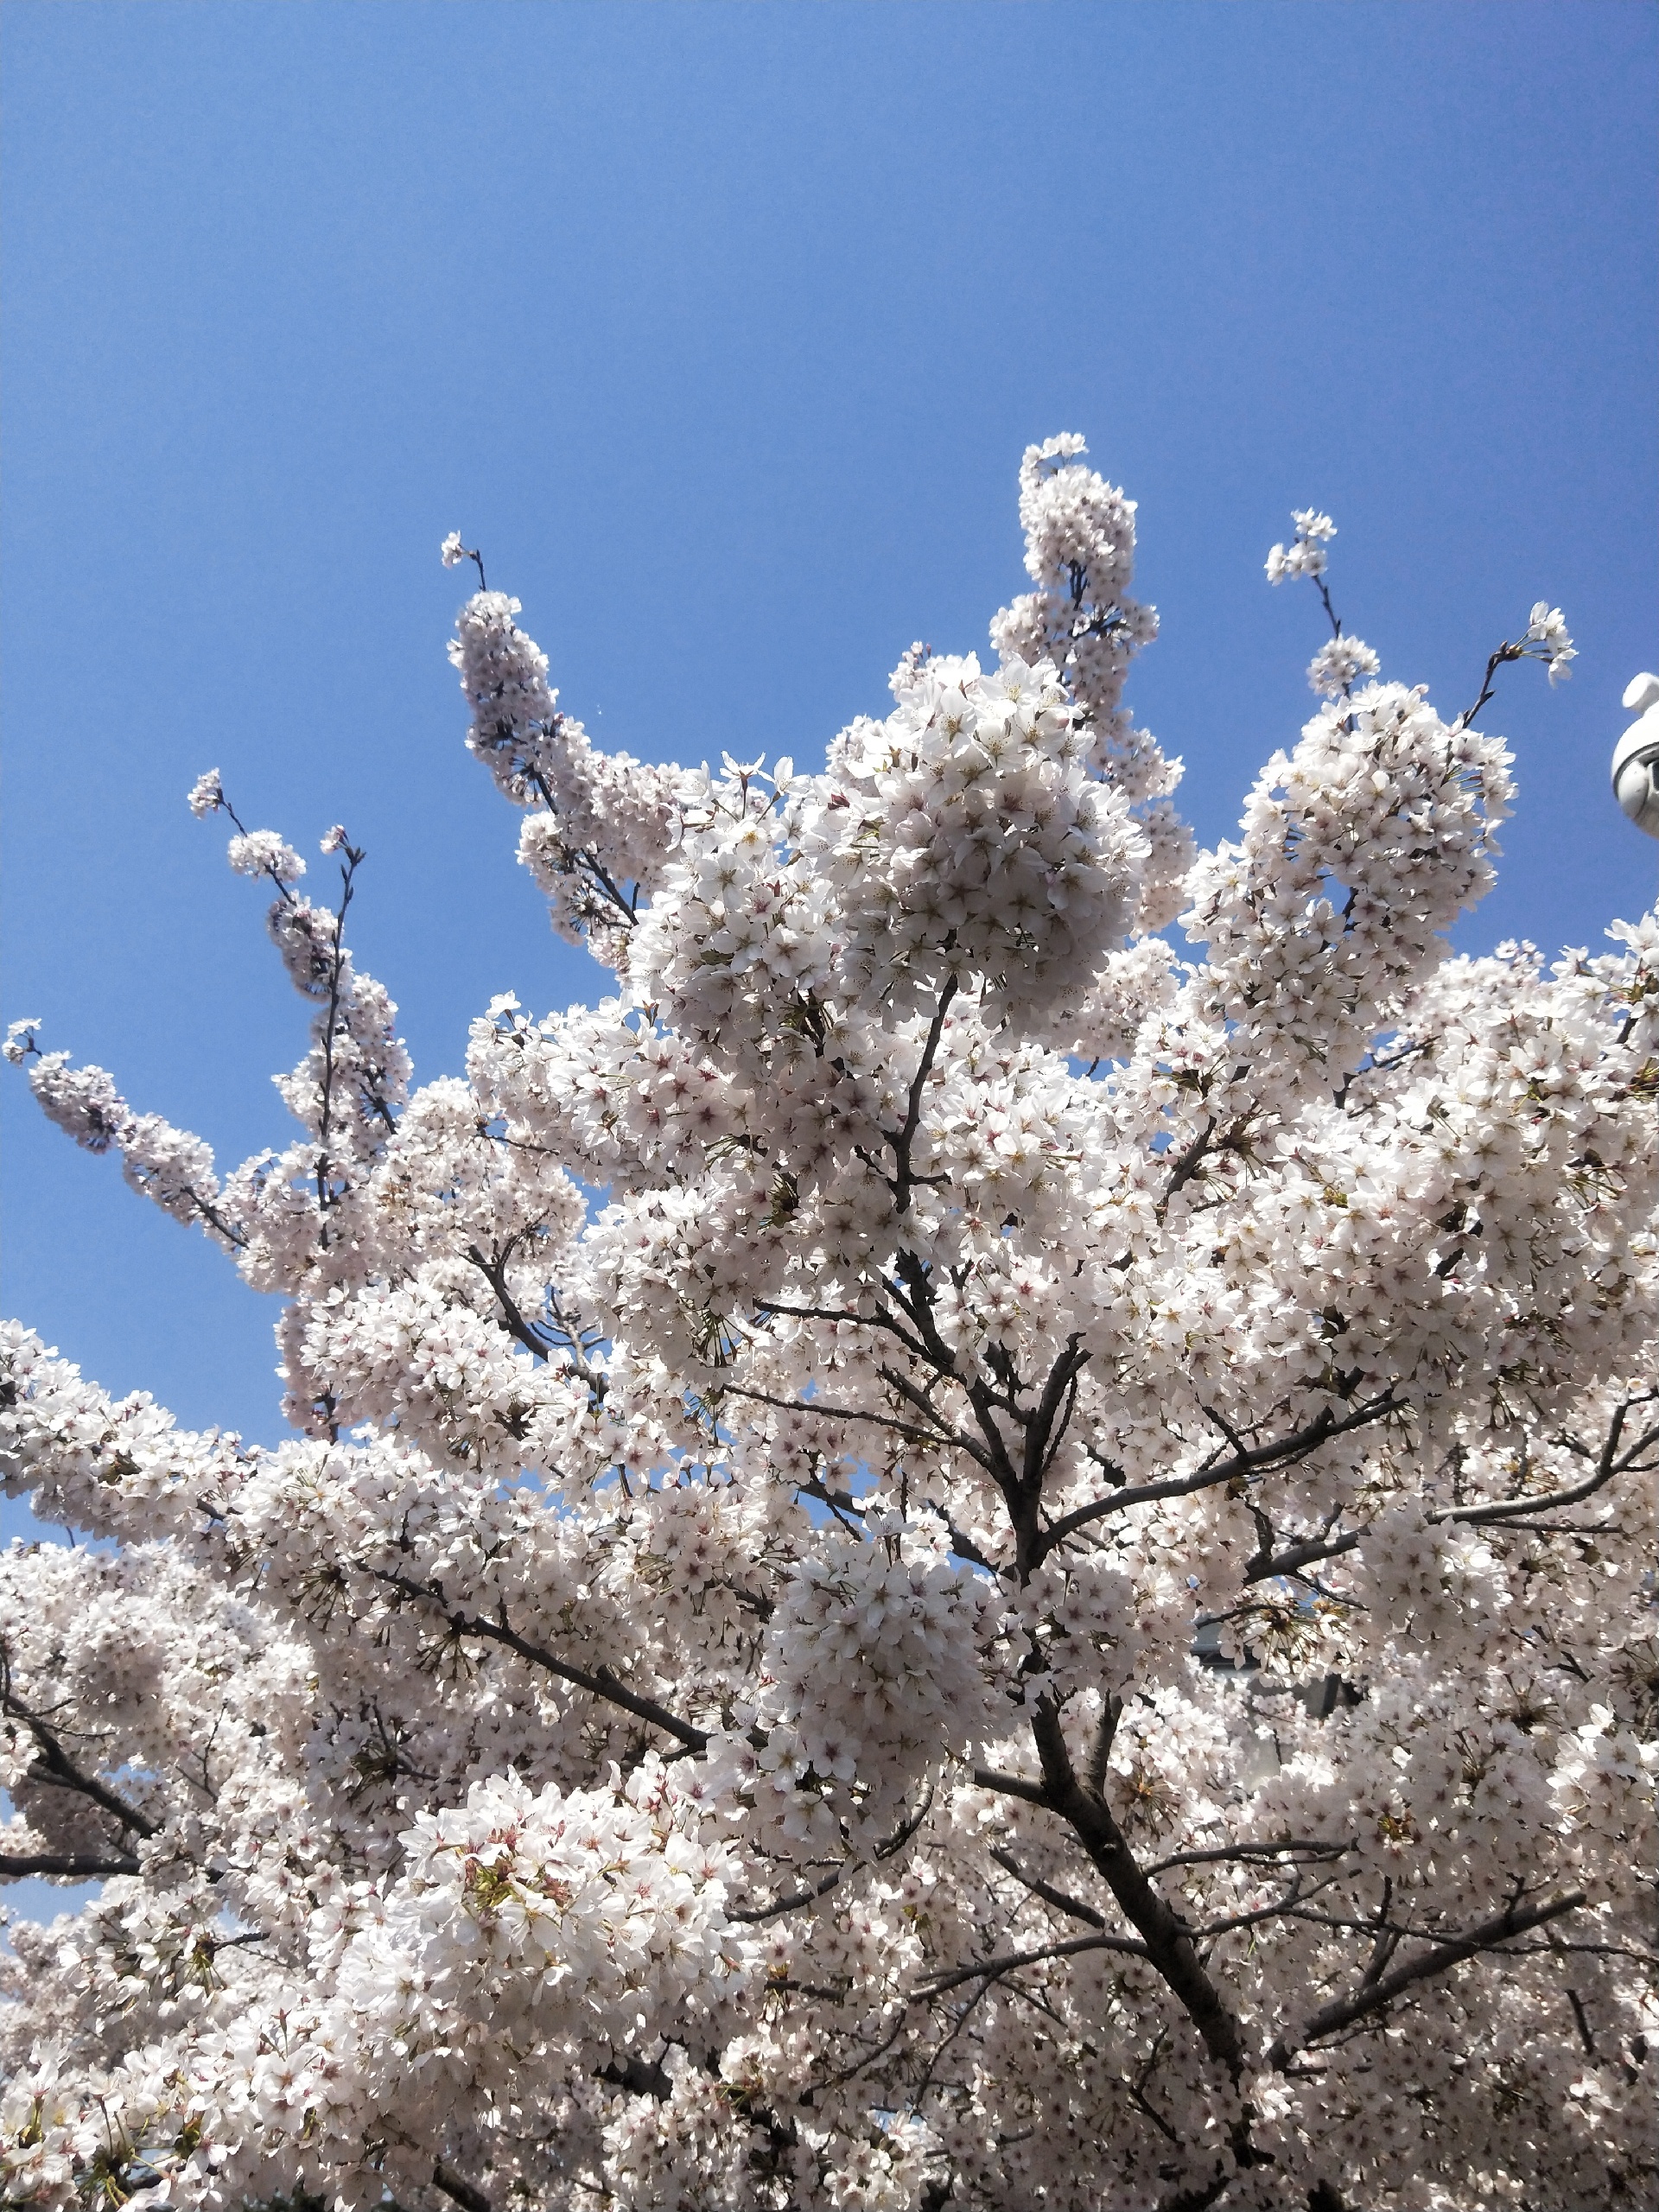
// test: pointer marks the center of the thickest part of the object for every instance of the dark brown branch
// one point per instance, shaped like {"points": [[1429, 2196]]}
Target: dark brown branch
{"points": [[1505, 652], [1309, 1848], [638, 2078], [326, 1088], [1011, 1785], [494, 1273], [1100, 1750], [575, 857], [1330, 612], [1609, 1463], [904, 1179], [59, 1771], [628, 908], [841, 1314], [459, 2191], [865, 2058], [1287, 1906], [598, 1682], [944, 1433], [1047, 1893], [918, 1306], [815, 1407], [1168, 1944], [887, 1848], [80, 1866], [938, 1985], [1187, 1165], [216, 1220], [569, 1337], [1386, 1942], [845, 1507], [1286, 1451], [1061, 1379], [755, 1914], [1343, 2011], [963, 1547], [1607, 1466]]}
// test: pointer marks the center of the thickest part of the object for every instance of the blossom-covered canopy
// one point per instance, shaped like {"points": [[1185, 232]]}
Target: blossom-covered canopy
{"points": [[959, 1551]]}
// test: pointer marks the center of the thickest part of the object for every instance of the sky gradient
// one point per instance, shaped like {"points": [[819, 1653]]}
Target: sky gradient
{"points": [[722, 329]]}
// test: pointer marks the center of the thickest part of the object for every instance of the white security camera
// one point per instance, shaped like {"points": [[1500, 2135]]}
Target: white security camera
{"points": [[1636, 757]]}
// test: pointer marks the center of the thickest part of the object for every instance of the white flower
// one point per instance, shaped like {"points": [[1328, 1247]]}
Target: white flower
{"points": [[1305, 556], [1547, 628], [19, 1039], [333, 839], [454, 552], [262, 852], [205, 794]]}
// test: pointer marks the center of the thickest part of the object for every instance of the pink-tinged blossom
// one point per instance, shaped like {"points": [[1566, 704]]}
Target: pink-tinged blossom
{"points": [[947, 1554]]}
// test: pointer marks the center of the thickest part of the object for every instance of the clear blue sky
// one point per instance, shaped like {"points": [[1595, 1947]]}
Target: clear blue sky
{"points": [[722, 329]]}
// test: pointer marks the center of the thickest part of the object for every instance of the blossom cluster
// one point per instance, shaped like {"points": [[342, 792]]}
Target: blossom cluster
{"points": [[1306, 554], [601, 822], [871, 1669], [1547, 631]]}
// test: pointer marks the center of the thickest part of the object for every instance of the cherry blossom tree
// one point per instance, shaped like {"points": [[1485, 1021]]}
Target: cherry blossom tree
{"points": [[960, 1551]]}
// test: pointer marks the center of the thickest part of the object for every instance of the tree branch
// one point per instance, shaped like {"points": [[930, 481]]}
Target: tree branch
{"points": [[943, 1434], [1187, 1165], [600, 1682], [1305, 1849], [77, 1865], [638, 2078], [904, 1179], [1286, 1451], [1266, 1565], [815, 1405], [1168, 1945], [1505, 652], [1011, 1785], [59, 1771], [1342, 2011], [1065, 1372], [459, 2191], [1607, 1467], [887, 1848], [1046, 1891], [494, 1273], [940, 1983]]}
